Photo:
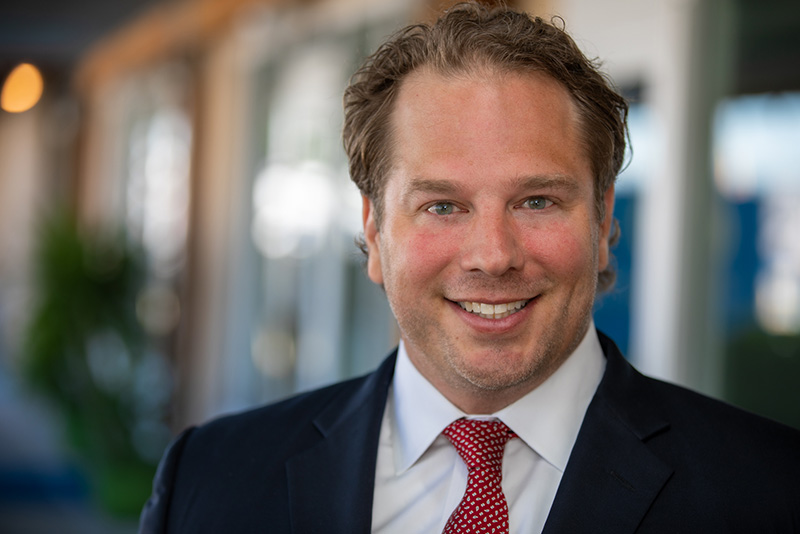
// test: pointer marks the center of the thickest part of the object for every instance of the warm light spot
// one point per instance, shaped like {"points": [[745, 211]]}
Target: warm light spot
{"points": [[22, 90]]}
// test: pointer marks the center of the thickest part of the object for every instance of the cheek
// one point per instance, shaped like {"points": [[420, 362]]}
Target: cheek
{"points": [[423, 253], [563, 250]]}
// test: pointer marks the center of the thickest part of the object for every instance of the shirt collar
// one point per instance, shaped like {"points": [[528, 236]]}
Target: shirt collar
{"points": [[420, 412], [547, 419]]}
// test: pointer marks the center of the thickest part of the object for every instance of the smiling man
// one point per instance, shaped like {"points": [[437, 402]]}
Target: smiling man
{"points": [[489, 245], [486, 148]]}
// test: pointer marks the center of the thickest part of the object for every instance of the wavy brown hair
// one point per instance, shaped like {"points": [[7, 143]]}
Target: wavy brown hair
{"points": [[469, 38]]}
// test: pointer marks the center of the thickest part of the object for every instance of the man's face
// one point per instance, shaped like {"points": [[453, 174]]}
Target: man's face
{"points": [[489, 245]]}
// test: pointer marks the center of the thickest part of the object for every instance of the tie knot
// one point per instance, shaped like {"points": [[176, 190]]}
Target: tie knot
{"points": [[479, 443]]}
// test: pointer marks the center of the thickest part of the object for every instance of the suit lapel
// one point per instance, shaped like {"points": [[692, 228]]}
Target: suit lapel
{"points": [[612, 477], [331, 483]]}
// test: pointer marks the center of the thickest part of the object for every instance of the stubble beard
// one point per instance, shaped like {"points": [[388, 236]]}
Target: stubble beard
{"points": [[434, 348], [551, 350], [437, 352]]}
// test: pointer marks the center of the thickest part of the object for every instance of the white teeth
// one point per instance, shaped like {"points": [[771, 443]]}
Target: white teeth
{"points": [[493, 311]]}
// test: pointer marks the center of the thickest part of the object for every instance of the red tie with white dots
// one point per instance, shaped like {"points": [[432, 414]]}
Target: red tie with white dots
{"points": [[483, 508]]}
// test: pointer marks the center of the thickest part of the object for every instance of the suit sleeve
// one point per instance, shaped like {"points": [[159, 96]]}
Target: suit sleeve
{"points": [[156, 510]]}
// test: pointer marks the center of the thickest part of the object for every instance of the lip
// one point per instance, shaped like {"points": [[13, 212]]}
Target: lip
{"points": [[494, 326]]}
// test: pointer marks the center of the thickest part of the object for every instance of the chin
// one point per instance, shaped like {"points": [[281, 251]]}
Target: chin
{"points": [[499, 376]]}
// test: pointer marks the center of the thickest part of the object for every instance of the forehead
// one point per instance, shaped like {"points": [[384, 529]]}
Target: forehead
{"points": [[533, 87], [499, 125]]}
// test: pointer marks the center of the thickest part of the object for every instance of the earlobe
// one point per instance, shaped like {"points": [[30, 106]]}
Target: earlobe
{"points": [[605, 230], [372, 240]]}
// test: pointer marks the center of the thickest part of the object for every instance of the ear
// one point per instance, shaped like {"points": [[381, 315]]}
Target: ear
{"points": [[372, 237], [605, 229]]}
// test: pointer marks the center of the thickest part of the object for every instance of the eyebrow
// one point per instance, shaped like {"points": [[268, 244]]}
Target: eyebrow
{"points": [[548, 181], [426, 185], [527, 182]]}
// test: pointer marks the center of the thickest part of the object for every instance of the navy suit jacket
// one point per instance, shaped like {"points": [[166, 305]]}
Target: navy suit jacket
{"points": [[650, 457]]}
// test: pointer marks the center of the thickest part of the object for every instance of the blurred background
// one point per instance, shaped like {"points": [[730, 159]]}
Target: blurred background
{"points": [[177, 223]]}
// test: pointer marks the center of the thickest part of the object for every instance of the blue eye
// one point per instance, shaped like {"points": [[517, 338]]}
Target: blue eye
{"points": [[537, 203], [442, 208]]}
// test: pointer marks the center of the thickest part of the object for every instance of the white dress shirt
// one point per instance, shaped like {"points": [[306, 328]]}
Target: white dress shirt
{"points": [[420, 477]]}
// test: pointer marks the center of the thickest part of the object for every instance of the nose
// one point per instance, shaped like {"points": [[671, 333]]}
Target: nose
{"points": [[492, 246]]}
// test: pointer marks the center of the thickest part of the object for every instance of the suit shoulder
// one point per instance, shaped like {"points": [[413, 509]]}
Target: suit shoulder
{"points": [[291, 424], [721, 432], [724, 469], [646, 404], [724, 459], [708, 410], [238, 458], [289, 415], [232, 472]]}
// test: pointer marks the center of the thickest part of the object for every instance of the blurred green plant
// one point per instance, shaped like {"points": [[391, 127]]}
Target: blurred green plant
{"points": [[86, 350]]}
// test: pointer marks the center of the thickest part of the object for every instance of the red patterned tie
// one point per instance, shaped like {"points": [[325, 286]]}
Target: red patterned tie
{"points": [[483, 508]]}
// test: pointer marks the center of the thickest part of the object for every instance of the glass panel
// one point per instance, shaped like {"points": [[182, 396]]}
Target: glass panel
{"points": [[613, 310], [156, 217], [756, 171], [315, 317]]}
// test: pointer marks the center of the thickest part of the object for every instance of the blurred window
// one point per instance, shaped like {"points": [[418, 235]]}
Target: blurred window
{"points": [[305, 313], [757, 172], [153, 195], [612, 312]]}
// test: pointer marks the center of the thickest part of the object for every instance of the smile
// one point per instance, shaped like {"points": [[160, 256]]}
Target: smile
{"points": [[493, 311]]}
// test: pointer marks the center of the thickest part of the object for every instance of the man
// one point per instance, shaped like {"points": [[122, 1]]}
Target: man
{"points": [[486, 149]]}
